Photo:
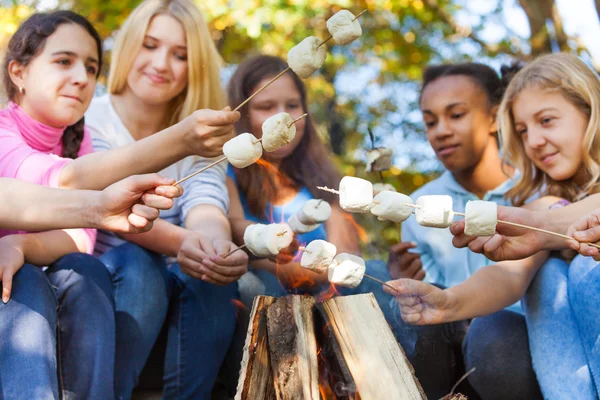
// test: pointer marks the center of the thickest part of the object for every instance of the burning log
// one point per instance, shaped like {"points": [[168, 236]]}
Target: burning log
{"points": [[256, 381], [369, 350], [293, 348]]}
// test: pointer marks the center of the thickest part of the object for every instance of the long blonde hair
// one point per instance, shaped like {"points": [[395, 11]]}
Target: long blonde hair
{"points": [[204, 88], [573, 79]]}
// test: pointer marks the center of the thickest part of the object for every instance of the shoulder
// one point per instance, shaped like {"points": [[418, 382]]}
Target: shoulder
{"points": [[436, 186]]}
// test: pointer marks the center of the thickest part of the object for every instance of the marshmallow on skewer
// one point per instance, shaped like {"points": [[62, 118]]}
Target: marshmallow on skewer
{"points": [[242, 150], [379, 159], [392, 206], [298, 227], [307, 57], [380, 187], [346, 270], [278, 130], [318, 255], [481, 218], [278, 237], [434, 211], [343, 27], [267, 240], [356, 194], [314, 211]]}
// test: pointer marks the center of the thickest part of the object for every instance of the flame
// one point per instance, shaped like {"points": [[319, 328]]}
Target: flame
{"points": [[239, 306], [327, 294], [362, 234]]}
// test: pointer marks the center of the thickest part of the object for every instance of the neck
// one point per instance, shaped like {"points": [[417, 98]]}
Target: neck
{"points": [[486, 175], [146, 120]]}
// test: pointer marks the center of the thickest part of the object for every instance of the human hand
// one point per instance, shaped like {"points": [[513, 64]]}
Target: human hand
{"points": [[586, 230], [206, 131], [12, 258], [404, 264]]}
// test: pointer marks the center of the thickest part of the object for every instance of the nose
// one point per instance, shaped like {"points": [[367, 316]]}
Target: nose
{"points": [[535, 138], [442, 129], [160, 60], [80, 75]]}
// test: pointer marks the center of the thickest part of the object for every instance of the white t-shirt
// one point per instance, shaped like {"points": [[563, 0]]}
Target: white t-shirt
{"points": [[208, 187]]}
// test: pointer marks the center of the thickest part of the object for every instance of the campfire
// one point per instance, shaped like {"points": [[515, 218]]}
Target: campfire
{"points": [[341, 348]]}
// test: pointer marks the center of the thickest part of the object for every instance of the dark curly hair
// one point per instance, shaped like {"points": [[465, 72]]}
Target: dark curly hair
{"points": [[28, 42]]}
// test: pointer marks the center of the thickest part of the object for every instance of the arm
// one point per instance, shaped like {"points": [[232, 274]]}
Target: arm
{"points": [[203, 133], [117, 208], [342, 231], [488, 290]]}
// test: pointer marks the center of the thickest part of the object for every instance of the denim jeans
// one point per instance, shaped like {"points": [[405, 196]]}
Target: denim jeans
{"points": [[562, 307], [57, 332], [200, 320]]}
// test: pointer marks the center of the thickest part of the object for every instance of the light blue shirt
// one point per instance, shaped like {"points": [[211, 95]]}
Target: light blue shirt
{"points": [[443, 263]]}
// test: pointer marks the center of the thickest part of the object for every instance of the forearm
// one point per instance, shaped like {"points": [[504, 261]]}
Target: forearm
{"points": [[209, 220], [494, 287], [32, 207], [151, 154], [44, 248], [164, 238]]}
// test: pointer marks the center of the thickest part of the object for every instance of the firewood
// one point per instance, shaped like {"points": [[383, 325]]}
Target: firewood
{"points": [[256, 380], [293, 348]]}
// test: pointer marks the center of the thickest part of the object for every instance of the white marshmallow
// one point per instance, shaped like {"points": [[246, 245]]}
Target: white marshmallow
{"points": [[379, 159], [278, 130], [356, 194], [346, 270], [278, 237], [343, 27], [380, 187], [481, 218], [392, 206], [306, 57], [298, 227], [255, 240], [314, 212], [434, 211], [318, 255], [242, 150]]}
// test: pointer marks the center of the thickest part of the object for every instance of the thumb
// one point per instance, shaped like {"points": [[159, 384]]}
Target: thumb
{"points": [[589, 235], [142, 183], [226, 108], [223, 247]]}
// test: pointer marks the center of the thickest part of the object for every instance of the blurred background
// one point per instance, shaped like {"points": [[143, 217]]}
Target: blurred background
{"points": [[374, 82]]}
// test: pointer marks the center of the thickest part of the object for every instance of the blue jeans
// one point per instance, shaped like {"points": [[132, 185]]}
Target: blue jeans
{"points": [[57, 332], [200, 320], [563, 320]]}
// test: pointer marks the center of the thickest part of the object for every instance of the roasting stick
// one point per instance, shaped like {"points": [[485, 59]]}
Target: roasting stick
{"points": [[285, 70], [500, 221], [225, 158], [302, 248]]}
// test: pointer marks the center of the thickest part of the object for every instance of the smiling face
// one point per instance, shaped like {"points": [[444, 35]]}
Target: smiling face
{"points": [[552, 130], [160, 70], [59, 82], [281, 96], [459, 122]]}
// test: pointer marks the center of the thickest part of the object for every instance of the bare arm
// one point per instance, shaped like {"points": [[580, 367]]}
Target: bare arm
{"points": [[342, 231], [164, 238]]}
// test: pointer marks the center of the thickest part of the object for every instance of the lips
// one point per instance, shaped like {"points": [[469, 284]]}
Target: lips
{"points": [[73, 97], [447, 150], [156, 78], [548, 158]]}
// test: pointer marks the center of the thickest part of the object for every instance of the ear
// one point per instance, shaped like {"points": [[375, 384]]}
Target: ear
{"points": [[17, 73], [494, 124]]}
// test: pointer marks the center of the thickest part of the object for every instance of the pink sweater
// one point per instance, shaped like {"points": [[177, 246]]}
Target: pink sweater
{"points": [[29, 150]]}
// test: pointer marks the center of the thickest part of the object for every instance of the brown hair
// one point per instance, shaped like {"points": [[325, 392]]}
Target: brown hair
{"points": [[308, 165], [572, 78], [27, 43]]}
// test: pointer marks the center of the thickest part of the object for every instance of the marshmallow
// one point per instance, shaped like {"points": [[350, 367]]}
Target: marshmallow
{"points": [[346, 270], [481, 218], [392, 206], [278, 130], [343, 27], [356, 194], [434, 211], [307, 57], [242, 150], [318, 255], [379, 159], [380, 187], [298, 227], [314, 212], [254, 238]]}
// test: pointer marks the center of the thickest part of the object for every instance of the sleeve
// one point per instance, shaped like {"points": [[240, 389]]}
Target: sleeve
{"points": [[433, 274], [208, 187], [89, 237], [19, 161]]}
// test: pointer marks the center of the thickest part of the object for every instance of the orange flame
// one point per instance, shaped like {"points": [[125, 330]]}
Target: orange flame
{"points": [[362, 234], [327, 294], [239, 306]]}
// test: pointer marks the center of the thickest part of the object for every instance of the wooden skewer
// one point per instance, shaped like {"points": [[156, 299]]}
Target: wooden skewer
{"points": [[200, 170], [262, 88], [382, 282], [302, 248], [297, 119], [233, 251], [319, 203]]}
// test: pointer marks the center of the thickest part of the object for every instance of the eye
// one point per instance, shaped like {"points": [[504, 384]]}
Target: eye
{"points": [[149, 46], [92, 70], [63, 61], [429, 124], [547, 120], [522, 131], [294, 105], [181, 57], [457, 115]]}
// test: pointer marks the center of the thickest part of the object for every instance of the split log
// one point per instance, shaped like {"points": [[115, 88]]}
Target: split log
{"points": [[256, 380], [293, 348], [369, 350]]}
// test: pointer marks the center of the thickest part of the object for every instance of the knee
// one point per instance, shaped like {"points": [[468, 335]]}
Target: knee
{"points": [[81, 273], [32, 289], [583, 280], [549, 282], [131, 262]]}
